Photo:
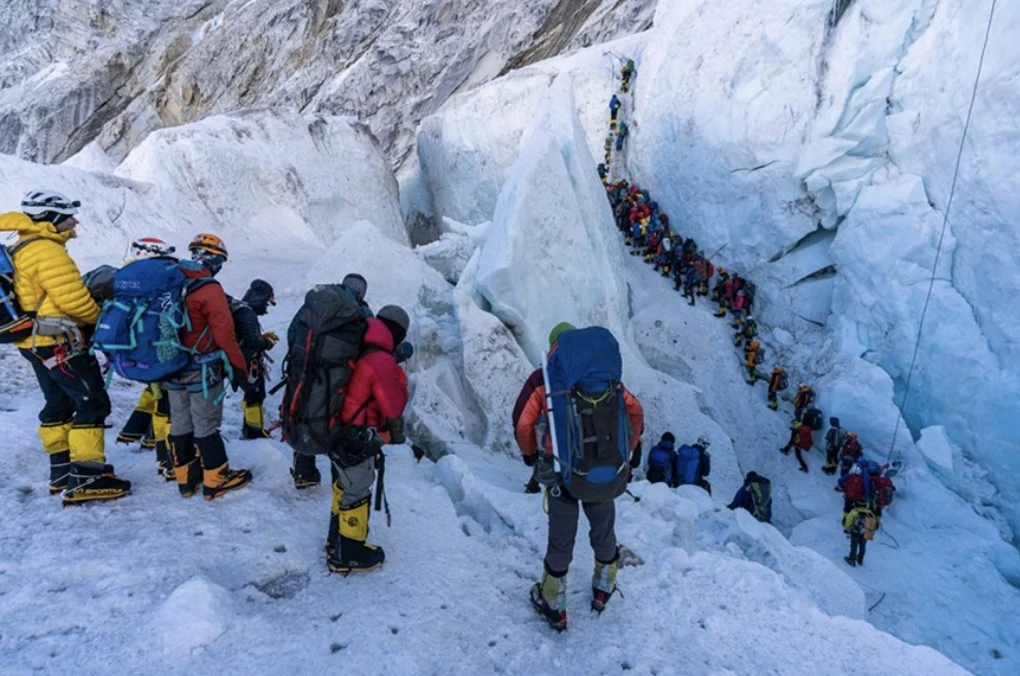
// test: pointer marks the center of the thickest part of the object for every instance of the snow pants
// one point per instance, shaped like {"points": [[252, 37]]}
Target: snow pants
{"points": [[563, 515], [76, 406], [857, 546], [196, 412]]}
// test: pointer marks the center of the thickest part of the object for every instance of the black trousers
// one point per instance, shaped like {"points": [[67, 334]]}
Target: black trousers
{"points": [[73, 389], [857, 546]]}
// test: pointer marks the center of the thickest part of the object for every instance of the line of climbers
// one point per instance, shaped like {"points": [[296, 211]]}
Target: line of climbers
{"points": [[167, 323], [647, 231]]}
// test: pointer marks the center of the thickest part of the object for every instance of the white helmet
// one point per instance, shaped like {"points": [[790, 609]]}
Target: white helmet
{"points": [[149, 247], [37, 203], [704, 441]]}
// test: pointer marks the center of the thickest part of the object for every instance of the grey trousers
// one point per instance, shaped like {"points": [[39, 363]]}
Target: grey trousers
{"points": [[193, 413], [563, 515], [355, 482]]}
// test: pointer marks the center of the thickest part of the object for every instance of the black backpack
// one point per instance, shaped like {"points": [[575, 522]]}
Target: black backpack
{"points": [[813, 418], [15, 323], [324, 342]]}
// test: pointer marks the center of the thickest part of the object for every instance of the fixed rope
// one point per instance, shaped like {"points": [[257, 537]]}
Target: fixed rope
{"points": [[942, 236]]}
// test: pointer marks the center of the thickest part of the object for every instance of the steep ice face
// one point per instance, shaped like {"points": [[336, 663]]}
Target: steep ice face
{"points": [[550, 217], [756, 142]]}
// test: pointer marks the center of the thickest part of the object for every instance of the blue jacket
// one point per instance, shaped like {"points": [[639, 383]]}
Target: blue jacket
{"points": [[662, 459]]}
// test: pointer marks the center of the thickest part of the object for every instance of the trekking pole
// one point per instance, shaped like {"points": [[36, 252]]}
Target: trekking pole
{"points": [[636, 498], [552, 421]]}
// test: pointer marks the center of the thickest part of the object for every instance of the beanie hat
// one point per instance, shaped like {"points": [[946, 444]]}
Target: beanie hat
{"points": [[668, 437], [558, 330], [834, 421], [357, 284]]}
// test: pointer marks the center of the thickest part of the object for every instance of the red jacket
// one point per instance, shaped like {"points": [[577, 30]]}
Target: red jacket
{"points": [[208, 309], [802, 438], [377, 392]]}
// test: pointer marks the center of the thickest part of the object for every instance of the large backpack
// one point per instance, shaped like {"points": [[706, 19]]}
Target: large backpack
{"points": [[867, 524], [813, 418], [139, 330], [660, 466], [761, 499], [15, 323], [883, 491], [688, 461], [324, 342], [853, 488], [784, 381], [593, 435]]}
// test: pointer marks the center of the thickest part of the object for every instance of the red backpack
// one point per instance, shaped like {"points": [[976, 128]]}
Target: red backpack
{"points": [[853, 489], [884, 490]]}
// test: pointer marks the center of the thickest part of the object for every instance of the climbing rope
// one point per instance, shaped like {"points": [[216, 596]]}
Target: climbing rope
{"points": [[945, 222]]}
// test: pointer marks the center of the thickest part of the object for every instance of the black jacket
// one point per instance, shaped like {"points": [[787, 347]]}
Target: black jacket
{"points": [[248, 329]]}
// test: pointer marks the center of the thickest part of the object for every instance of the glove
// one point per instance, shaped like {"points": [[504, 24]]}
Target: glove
{"points": [[635, 457], [530, 460], [418, 451], [396, 428], [271, 338]]}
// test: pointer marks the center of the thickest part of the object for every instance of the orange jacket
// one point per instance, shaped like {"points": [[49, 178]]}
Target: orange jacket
{"points": [[533, 410]]}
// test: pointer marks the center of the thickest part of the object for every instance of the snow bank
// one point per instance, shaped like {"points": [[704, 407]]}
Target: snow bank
{"points": [[194, 615], [272, 178]]}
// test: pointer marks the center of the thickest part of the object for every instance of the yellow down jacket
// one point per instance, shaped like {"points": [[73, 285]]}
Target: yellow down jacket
{"points": [[43, 266]]}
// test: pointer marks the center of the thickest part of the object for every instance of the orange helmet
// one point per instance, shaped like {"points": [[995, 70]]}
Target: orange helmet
{"points": [[208, 243], [852, 435]]}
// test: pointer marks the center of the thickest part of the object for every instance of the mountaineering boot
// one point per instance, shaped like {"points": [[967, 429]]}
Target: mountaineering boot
{"points": [[221, 479], [603, 582], [304, 471], [217, 477], [774, 404], [355, 554], [852, 562], [253, 427], [137, 426], [189, 477], [148, 442], [549, 598], [91, 481], [60, 470]]}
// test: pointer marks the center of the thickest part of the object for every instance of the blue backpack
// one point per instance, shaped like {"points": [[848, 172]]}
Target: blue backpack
{"points": [[139, 330], [688, 460], [593, 435], [660, 464]]}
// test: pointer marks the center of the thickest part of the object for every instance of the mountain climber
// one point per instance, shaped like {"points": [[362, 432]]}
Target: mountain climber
{"points": [[777, 383], [626, 73], [694, 463], [47, 283], [603, 172], [860, 523], [621, 135], [196, 393], [834, 440], [375, 400], [800, 440], [662, 461], [719, 289], [690, 282], [746, 331], [849, 454], [804, 397], [590, 357], [614, 108], [755, 496], [303, 468], [254, 344], [709, 270], [150, 421], [737, 309], [752, 357]]}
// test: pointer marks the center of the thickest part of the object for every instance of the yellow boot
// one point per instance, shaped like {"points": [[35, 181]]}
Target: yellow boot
{"points": [[355, 555], [254, 427]]}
